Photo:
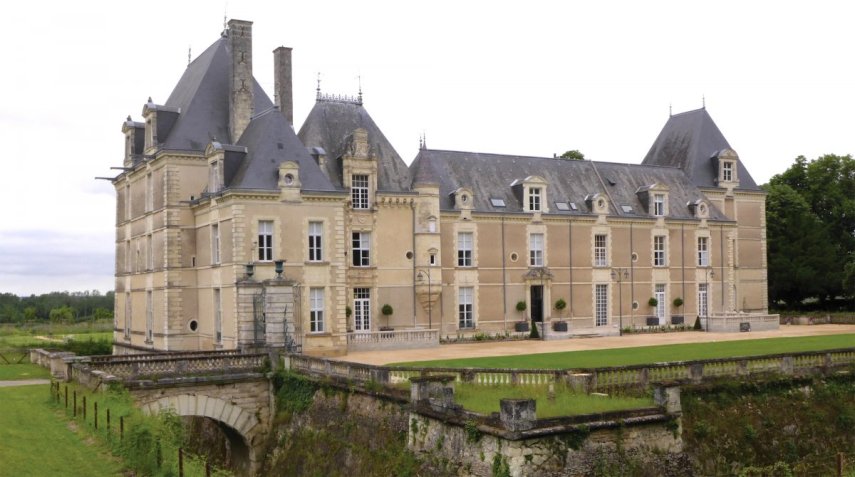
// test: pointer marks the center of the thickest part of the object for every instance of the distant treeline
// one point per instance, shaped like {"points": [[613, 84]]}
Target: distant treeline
{"points": [[58, 307]]}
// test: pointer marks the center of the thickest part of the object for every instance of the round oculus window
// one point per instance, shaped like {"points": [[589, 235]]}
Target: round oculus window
{"points": [[194, 325], [514, 257], [289, 179]]}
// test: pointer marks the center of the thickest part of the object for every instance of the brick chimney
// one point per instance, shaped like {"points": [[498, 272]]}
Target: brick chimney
{"points": [[240, 78], [282, 82]]}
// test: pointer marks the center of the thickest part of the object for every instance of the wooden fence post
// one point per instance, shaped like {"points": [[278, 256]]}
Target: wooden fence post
{"points": [[121, 427], [108, 420], [180, 462], [84, 408], [95, 410], [66, 396], [74, 413]]}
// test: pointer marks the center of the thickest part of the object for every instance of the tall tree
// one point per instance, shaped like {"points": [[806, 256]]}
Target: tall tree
{"points": [[800, 251], [573, 155]]}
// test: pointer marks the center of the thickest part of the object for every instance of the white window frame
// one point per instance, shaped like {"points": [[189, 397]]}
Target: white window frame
{"points": [[727, 171], [362, 309], [215, 244], [359, 191], [535, 199], [432, 260], [659, 205], [601, 305], [218, 316], [149, 317], [128, 208], [659, 294], [361, 243], [316, 310], [703, 251], [465, 246], [129, 309], [703, 300], [316, 241], [466, 308], [265, 240], [659, 251], [535, 254], [601, 250], [149, 253]]}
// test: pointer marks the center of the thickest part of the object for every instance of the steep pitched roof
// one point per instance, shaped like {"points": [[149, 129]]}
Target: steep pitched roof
{"points": [[270, 141], [328, 126], [202, 97], [490, 177], [689, 141]]}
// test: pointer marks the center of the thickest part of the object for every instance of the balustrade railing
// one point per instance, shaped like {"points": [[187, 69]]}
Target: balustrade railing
{"points": [[397, 339], [172, 366]]}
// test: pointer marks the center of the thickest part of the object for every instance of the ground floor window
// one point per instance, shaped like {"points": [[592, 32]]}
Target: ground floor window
{"points": [[149, 318], [128, 311], [703, 300], [465, 308], [601, 306], [660, 302], [316, 313], [362, 309], [218, 317]]}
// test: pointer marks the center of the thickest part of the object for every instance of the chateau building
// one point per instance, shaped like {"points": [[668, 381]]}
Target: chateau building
{"points": [[234, 231]]}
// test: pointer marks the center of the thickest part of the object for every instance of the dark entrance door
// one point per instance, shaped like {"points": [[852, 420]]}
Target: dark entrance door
{"points": [[537, 303]]}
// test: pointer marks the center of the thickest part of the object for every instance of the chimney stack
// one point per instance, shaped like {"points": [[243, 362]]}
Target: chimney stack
{"points": [[240, 78], [282, 82]]}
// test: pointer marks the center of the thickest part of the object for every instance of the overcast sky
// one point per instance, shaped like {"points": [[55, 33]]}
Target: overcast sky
{"points": [[530, 78]]}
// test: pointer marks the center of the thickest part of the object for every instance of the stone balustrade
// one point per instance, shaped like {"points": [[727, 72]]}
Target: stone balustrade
{"points": [[387, 340], [736, 321], [590, 379]]}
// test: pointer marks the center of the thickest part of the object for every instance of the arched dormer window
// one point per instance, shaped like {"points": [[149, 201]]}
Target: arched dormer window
{"points": [[463, 198], [727, 174]]}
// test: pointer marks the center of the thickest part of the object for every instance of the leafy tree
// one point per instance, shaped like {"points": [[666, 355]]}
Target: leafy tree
{"points": [[800, 251], [827, 184], [573, 155], [63, 314]]}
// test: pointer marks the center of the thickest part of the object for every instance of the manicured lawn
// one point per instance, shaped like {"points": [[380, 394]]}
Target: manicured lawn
{"points": [[37, 440], [11, 372], [485, 399], [30, 341], [648, 354]]}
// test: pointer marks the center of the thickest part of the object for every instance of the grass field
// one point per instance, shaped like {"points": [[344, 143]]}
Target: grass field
{"points": [[485, 399], [38, 441], [33, 341], [12, 372], [648, 354]]}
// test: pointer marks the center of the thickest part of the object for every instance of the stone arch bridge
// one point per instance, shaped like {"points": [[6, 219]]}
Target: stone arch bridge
{"points": [[227, 387]]}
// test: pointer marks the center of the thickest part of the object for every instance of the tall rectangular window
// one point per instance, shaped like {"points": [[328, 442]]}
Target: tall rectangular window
{"points": [[149, 253], [361, 249], [316, 236], [149, 318], [265, 240], [128, 209], [601, 305], [659, 251], [600, 251], [703, 300], [465, 305], [536, 251], [659, 205], [128, 257], [464, 249], [215, 244], [128, 315], [218, 317], [316, 310], [359, 191], [727, 171], [534, 199], [362, 309], [149, 193], [659, 294], [703, 252]]}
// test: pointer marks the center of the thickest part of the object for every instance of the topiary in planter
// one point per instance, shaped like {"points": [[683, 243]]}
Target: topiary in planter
{"points": [[521, 306], [653, 302], [560, 304], [678, 302]]}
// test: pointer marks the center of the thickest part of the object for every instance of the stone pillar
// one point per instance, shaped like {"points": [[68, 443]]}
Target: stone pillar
{"points": [[518, 414], [278, 307], [423, 388], [787, 365], [580, 382], [668, 397], [246, 293]]}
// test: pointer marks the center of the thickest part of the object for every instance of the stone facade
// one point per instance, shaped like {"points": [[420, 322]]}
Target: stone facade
{"points": [[451, 243]]}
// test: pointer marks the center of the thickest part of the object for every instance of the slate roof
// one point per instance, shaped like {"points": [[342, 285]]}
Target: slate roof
{"points": [[202, 96], [689, 141], [491, 175], [270, 141], [328, 126]]}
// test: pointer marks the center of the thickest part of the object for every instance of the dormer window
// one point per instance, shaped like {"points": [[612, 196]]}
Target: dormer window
{"points": [[359, 191], [659, 205], [727, 171], [534, 199]]}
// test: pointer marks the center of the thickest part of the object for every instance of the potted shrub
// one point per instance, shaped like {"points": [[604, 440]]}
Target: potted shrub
{"points": [[653, 320], [677, 319], [348, 311], [560, 325], [387, 312], [521, 325]]}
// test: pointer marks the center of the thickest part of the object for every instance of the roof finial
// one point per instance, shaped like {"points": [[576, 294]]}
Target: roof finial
{"points": [[424, 139], [703, 102], [189, 54], [225, 15], [670, 110], [318, 89], [421, 144], [359, 98]]}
